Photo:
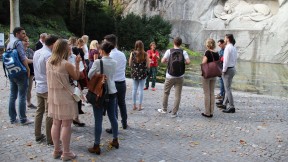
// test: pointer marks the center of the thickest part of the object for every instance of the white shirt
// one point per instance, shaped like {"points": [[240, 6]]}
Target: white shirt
{"points": [[230, 57], [121, 60], [86, 52], [39, 62], [167, 55]]}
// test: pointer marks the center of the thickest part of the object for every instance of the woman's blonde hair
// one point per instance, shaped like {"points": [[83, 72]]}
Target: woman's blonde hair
{"points": [[85, 38], [94, 44], [72, 41], [210, 43], [60, 52], [80, 40], [139, 50]]}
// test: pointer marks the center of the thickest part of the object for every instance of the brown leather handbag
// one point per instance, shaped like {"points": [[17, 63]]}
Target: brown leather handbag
{"points": [[211, 69], [97, 88]]}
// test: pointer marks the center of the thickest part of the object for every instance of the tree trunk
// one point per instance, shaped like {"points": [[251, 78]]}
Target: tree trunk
{"points": [[111, 3], [83, 16], [14, 15], [77, 16]]}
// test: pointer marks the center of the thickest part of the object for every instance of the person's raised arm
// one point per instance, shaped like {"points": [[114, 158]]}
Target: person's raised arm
{"points": [[72, 70]]}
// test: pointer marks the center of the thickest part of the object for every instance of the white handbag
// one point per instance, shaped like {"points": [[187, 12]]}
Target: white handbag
{"points": [[77, 94]]}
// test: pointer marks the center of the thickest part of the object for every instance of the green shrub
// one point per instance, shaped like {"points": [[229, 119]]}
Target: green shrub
{"points": [[147, 29]]}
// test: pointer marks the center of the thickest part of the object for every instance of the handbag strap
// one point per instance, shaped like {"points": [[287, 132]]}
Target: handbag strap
{"points": [[62, 84], [101, 66], [212, 55]]}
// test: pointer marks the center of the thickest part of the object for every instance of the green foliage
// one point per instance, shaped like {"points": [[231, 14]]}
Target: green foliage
{"points": [[99, 20], [189, 51], [4, 12], [148, 29], [44, 7], [34, 26]]}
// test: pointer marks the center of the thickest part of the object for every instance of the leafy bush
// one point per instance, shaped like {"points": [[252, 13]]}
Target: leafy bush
{"points": [[148, 29]]}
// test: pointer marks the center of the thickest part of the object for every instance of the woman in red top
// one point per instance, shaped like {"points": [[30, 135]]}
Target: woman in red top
{"points": [[153, 56]]}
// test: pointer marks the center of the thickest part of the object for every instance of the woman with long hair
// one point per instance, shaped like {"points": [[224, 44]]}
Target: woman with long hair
{"points": [[209, 83], [61, 105], [139, 63]]}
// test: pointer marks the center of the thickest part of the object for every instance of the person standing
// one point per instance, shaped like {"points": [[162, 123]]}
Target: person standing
{"points": [[61, 105], [39, 61], [19, 84], [79, 50], [29, 54], [139, 63], [221, 95], [153, 56], [174, 75], [119, 79], [41, 41], [86, 51], [93, 52], [109, 69], [209, 83], [228, 72], [72, 59]]}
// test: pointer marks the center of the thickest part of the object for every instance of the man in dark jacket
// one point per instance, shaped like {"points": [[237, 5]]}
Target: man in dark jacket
{"points": [[41, 41]]}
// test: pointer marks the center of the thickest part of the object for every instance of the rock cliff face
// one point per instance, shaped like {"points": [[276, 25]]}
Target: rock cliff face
{"points": [[259, 26]]}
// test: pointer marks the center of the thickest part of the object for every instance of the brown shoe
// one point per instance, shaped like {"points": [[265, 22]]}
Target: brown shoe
{"points": [[115, 143], [95, 149]]}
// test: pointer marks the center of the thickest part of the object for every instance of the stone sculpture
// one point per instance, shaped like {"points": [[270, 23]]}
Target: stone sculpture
{"points": [[239, 8]]}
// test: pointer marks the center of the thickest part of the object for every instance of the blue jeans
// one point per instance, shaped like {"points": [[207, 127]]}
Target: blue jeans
{"points": [[121, 92], [222, 89], [18, 86], [98, 118], [138, 84], [153, 74]]}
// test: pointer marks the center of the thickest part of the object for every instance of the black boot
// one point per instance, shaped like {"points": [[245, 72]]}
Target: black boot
{"points": [[109, 131], [230, 110]]}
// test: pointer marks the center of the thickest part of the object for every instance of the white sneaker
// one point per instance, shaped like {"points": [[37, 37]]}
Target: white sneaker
{"points": [[174, 115], [162, 111], [28, 121]]}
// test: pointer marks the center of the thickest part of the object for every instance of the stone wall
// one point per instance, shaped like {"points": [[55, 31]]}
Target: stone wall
{"points": [[197, 20]]}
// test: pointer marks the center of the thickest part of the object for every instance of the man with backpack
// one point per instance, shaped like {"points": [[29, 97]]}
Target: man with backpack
{"points": [[176, 58], [18, 72]]}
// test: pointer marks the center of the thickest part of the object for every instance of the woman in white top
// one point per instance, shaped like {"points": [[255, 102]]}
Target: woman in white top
{"points": [[109, 69]]}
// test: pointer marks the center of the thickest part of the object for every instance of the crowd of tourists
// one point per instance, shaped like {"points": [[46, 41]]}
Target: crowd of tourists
{"points": [[59, 65]]}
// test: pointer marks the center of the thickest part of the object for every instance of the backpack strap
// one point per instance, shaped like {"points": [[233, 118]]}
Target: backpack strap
{"points": [[15, 44]]}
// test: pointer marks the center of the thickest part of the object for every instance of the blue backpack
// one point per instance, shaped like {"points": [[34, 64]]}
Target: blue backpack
{"points": [[12, 63]]}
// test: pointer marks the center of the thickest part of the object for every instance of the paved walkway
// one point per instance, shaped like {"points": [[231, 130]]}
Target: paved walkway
{"points": [[258, 131]]}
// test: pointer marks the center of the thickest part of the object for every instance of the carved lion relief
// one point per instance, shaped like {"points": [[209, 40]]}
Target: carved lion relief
{"points": [[241, 9]]}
